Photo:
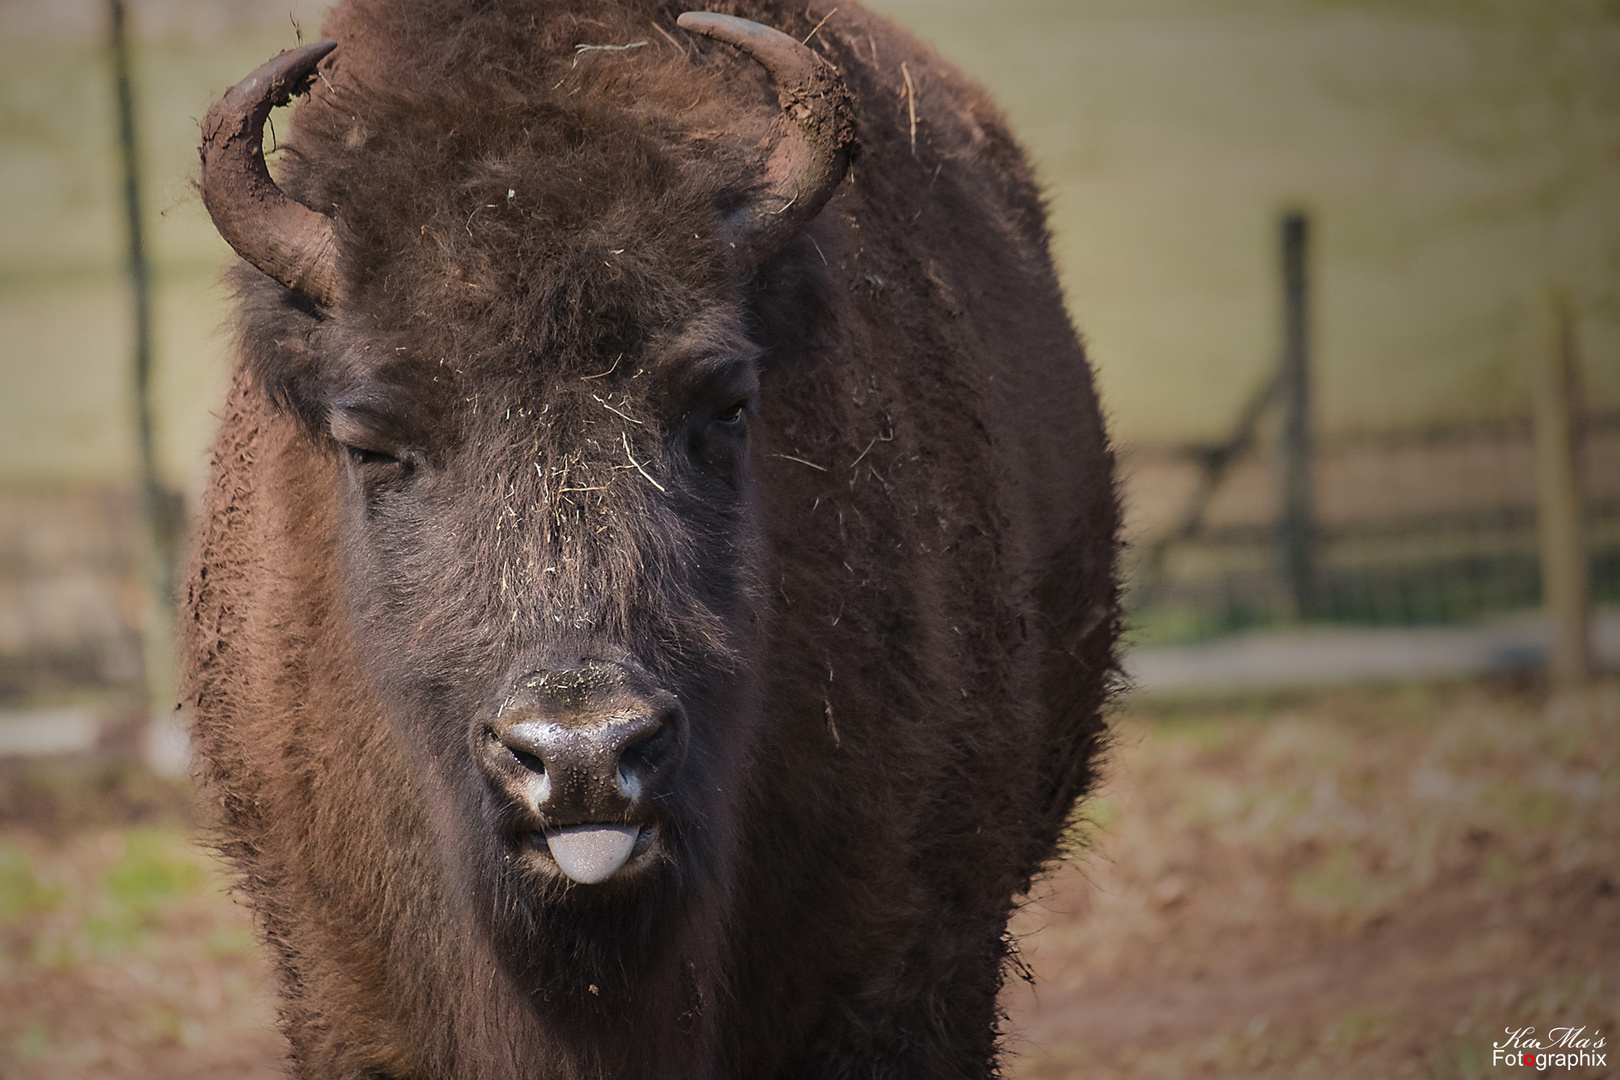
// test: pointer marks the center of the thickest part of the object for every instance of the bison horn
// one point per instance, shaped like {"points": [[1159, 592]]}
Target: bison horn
{"points": [[814, 152], [285, 239]]}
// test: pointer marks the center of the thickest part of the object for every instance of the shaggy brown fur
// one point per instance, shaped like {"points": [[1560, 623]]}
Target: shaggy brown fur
{"points": [[884, 596]]}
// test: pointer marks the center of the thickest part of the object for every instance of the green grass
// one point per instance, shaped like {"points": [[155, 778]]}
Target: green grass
{"points": [[120, 909], [159, 869], [21, 892], [121, 954]]}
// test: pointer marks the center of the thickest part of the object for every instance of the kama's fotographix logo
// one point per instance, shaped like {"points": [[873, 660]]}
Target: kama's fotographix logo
{"points": [[1565, 1048]]}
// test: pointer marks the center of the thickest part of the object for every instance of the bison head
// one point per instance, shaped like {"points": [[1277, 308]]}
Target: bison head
{"points": [[514, 324]]}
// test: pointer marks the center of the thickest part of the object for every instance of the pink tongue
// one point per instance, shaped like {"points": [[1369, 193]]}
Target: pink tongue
{"points": [[591, 853]]}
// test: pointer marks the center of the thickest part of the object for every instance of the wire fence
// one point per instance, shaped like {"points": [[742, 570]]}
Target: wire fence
{"points": [[71, 593], [1409, 528], [1274, 525]]}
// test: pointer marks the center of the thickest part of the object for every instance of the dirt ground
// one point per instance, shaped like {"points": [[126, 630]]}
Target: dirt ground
{"points": [[1368, 883], [1356, 883]]}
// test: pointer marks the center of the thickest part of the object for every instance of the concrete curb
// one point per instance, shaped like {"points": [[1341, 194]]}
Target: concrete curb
{"points": [[1326, 656]]}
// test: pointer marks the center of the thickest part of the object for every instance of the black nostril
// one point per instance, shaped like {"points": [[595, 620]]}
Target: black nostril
{"points": [[649, 751], [527, 760]]}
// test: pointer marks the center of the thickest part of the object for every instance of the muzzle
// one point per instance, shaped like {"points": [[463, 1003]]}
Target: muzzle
{"points": [[581, 754]]}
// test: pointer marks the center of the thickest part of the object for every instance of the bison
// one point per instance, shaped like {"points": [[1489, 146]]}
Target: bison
{"points": [[654, 599]]}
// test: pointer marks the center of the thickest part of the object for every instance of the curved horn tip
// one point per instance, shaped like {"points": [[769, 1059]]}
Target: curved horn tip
{"points": [[727, 28], [309, 55], [287, 73], [283, 238]]}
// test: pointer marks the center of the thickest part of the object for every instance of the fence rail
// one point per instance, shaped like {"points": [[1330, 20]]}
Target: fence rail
{"points": [[1434, 527]]}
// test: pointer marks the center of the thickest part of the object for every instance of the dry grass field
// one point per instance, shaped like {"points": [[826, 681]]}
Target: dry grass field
{"points": [[1372, 882]]}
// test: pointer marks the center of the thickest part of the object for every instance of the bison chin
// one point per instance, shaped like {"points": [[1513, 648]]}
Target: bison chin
{"points": [[585, 951]]}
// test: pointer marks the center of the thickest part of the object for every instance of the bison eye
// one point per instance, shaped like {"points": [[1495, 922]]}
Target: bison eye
{"points": [[731, 414], [362, 456]]}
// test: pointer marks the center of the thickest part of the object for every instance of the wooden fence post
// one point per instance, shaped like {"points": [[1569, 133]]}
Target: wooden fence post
{"points": [[1564, 556], [1296, 539], [160, 508]]}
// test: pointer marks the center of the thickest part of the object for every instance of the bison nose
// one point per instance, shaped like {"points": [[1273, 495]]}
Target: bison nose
{"points": [[595, 768], [592, 744]]}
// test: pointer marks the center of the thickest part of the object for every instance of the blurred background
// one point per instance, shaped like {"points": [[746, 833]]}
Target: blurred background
{"points": [[1347, 271]]}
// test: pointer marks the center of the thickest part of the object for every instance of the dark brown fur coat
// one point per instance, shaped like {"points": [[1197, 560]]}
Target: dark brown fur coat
{"points": [[904, 601]]}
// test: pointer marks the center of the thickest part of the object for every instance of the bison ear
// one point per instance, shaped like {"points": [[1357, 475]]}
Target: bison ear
{"points": [[816, 144], [279, 343]]}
